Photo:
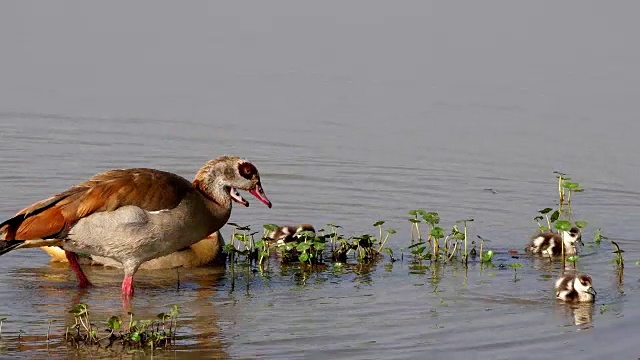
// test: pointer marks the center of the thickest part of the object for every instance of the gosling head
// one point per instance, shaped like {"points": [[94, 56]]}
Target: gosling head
{"points": [[573, 236], [583, 285]]}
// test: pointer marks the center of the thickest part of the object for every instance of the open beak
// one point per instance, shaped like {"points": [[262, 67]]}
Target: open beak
{"points": [[235, 195], [259, 193]]}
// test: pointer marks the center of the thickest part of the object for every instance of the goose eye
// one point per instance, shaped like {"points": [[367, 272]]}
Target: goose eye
{"points": [[247, 170]]}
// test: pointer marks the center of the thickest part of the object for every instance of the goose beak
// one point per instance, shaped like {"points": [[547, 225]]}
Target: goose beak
{"points": [[580, 241], [591, 291], [235, 196], [258, 192]]}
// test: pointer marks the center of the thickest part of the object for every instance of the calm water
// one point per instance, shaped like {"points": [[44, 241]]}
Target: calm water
{"points": [[352, 112]]}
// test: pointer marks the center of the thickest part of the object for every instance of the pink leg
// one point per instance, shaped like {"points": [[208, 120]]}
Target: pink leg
{"points": [[127, 286], [83, 281]]}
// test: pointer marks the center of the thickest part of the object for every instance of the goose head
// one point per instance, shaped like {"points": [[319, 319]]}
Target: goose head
{"points": [[221, 178]]}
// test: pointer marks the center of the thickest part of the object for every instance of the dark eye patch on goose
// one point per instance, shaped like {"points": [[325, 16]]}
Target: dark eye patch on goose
{"points": [[247, 170]]}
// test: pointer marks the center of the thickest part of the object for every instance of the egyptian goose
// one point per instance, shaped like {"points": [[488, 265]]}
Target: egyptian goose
{"points": [[288, 233], [205, 252], [550, 244], [134, 215], [575, 288]]}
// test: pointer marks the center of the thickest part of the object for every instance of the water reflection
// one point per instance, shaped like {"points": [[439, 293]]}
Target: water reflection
{"points": [[581, 314]]}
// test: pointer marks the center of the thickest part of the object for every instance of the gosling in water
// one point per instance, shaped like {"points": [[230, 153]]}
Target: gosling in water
{"points": [[574, 288], [550, 244]]}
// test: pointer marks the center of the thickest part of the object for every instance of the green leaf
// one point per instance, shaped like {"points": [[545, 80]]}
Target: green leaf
{"points": [[581, 224], [271, 227], [134, 336], [79, 309], [114, 322], [319, 246], [597, 236], [563, 225], [545, 210], [390, 251], [437, 232], [378, 223], [554, 216], [431, 217], [515, 265], [259, 243], [487, 256], [303, 257], [538, 218], [391, 231], [572, 258], [413, 212], [306, 234], [570, 185], [637, 263], [416, 244], [415, 221], [302, 247], [419, 250]]}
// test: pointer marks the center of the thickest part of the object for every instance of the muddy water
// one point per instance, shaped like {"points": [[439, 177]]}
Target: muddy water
{"points": [[352, 113]]}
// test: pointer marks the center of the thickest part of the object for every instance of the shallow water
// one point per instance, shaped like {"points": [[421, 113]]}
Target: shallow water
{"points": [[352, 112]]}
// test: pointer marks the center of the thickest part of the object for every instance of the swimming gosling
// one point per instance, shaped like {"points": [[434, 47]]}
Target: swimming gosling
{"points": [[550, 244], [575, 288]]}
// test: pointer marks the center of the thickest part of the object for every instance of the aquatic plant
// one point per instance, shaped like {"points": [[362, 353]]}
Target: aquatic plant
{"points": [[484, 257], [415, 223], [142, 333], [561, 178], [573, 259], [550, 219], [333, 238], [598, 237], [466, 250], [391, 256], [263, 244], [434, 233], [515, 267], [572, 187], [618, 251]]}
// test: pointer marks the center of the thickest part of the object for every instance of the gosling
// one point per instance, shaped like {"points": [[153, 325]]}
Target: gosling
{"points": [[550, 244], [289, 233], [575, 288]]}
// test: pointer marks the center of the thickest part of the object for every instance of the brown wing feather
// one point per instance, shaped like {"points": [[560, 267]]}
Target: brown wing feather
{"points": [[149, 189]]}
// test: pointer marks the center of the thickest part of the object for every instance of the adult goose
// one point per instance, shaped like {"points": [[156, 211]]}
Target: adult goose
{"points": [[134, 215]]}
